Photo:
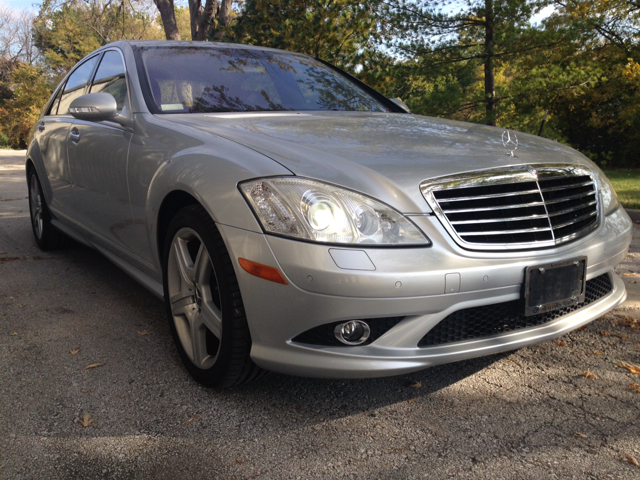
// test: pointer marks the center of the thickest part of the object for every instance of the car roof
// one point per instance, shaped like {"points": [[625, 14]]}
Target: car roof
{"points": [[190, 44]]}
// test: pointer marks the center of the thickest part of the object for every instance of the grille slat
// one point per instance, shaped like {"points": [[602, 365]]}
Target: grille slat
{"points": [[515, 206], [482, 322], [492, 195], [497, 220]]}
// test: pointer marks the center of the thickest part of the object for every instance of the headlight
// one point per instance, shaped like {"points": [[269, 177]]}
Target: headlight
{"points": [[609, 198], [319, 212]]}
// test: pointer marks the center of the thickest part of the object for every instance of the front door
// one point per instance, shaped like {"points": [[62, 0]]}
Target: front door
{"points": [[98, 153]]}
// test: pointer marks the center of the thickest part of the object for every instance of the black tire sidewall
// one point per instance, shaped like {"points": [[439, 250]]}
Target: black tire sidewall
{"points": [[196, 218]]}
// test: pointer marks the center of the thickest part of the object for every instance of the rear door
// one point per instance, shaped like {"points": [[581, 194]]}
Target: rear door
{"points": [[98, 154], [52, 134]]}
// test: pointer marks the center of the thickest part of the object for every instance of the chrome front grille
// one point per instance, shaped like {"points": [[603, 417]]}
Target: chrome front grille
{"points": [[515, 207]]}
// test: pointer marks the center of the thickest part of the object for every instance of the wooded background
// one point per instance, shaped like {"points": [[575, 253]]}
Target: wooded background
{"points": [[573, 76]]}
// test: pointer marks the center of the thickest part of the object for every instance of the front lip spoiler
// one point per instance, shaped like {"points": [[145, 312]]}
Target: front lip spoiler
{"points": [[377, 361]]}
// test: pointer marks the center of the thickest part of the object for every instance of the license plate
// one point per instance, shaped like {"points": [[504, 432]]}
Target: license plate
{"points": [[554, 285]]}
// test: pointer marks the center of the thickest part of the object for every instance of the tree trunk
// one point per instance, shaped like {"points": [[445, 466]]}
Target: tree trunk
{"points": [[224, 17], [195, 12], [168, 15], [209, 12], [489, 77]]}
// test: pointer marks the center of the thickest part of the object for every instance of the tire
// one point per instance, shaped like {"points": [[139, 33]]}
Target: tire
{"points": [[46, 235], [204, 306]]}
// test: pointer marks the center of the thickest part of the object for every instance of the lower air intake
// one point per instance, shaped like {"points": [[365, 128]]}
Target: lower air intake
{"points": [[480, 322]]}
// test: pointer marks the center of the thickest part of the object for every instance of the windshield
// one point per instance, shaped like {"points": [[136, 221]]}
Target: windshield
{"points": [[201, 80]]}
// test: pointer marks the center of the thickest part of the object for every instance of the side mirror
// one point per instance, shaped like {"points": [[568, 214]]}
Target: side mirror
{"points": [[94, 107], [401, 104]]}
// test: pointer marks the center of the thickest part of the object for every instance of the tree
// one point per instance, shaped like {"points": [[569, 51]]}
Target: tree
{"points": [[66, 31], [334, 30], [29, 93], [432, 35]]}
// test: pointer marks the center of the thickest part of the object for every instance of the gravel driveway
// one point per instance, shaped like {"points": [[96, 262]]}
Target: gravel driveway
{"points": [[533, 413]]}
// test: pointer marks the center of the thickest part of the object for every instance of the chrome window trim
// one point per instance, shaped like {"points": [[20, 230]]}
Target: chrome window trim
{"points": [[510, 175]]}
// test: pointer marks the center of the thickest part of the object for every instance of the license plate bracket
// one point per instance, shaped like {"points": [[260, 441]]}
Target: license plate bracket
{"points": [[554, 285]]}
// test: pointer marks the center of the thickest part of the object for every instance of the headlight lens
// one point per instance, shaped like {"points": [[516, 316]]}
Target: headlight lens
{"points": [[609, 198], [315, 211]]}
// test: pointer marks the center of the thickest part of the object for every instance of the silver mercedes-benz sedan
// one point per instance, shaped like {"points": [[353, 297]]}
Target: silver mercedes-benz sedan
{"points": [[293, 219]]}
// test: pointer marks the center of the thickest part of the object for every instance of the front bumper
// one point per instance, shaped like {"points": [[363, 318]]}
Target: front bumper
{"points": [[424, 285]]}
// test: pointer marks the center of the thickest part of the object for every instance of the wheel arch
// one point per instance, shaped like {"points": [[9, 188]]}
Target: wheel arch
{"points": [[172, 203]]}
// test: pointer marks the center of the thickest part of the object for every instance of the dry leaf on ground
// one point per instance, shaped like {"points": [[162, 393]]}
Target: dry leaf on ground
{"points": [[194, 419], [630, 274], [611, 334], [632, 460], [579, 435], [86, 420], [588, 374], [411, 400], [415, 385], [561, 344], [633, 281], [597, 352], [14, 334], [73, 352], [584, 327], [93, 365], [635, 387], [144, 332], [631, 367]]}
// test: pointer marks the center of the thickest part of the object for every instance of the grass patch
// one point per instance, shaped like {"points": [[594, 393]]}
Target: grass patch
{"points": [[626, 181]]}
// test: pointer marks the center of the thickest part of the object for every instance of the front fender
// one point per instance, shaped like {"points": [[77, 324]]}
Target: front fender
{"points": [[211, 175]]}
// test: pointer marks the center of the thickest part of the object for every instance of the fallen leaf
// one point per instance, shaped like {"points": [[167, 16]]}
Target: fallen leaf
{"points": [[86, 420], [597, 352], [588, 374], [415, 385], [633, 281], [584, 327], [631, 367], [410, 400], [73, 352], [561, 344], [611, 334], [635, 387], [21, 305], [238, 462], [14, 334], [194, 419], [630, 274], [579, 435], [144, 332], [632, 460], [93, 365]]}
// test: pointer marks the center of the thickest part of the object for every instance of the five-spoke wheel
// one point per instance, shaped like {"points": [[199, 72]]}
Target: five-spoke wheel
{"points": [[203, 300]]}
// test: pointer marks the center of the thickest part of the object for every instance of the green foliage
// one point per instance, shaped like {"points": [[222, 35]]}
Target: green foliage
{"points": [[333, 30], [19, 112], [68, 31]]}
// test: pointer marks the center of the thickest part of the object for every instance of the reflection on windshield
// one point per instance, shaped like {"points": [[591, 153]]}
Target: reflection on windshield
{"points": [[204, 80]]}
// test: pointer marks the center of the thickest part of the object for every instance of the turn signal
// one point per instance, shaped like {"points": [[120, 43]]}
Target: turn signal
{"points": [[262, 271]]}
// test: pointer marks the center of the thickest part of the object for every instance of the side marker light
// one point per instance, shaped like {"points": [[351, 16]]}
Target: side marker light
{"points": [[262, 271]]}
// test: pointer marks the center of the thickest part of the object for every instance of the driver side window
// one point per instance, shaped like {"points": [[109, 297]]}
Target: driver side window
{"points": [[76, 84], [110, 78]]}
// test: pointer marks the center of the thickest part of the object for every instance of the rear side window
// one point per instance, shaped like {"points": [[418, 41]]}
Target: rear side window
{"points": [[75, 84], [110, 78]]}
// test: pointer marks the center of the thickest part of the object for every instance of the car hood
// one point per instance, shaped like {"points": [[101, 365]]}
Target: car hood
{"points": [[385, 156]]}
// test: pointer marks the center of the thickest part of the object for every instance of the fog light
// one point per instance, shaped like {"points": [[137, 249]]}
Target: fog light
{"points": [[354, 332]]}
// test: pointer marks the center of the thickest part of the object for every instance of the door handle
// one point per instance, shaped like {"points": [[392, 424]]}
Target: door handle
{"points": [[74, 135], [41, 127]]}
